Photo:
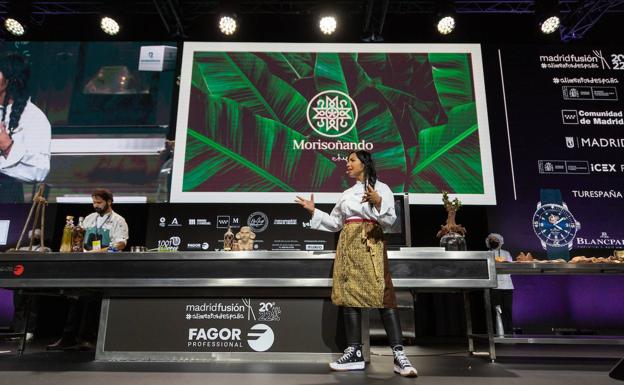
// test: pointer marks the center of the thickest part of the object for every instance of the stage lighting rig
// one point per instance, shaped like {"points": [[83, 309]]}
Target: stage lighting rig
{"points": [[109, 25], [328, 25], [445, 17]]}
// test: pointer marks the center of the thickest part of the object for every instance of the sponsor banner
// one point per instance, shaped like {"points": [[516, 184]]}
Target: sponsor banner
{"points": [[201, 227], [564, 125], [209, 325]]}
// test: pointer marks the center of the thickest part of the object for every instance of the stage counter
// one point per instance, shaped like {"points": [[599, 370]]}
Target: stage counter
{"points": [[250, 306]]}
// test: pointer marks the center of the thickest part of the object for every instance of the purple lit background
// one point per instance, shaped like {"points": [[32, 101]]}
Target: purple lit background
{"points": [[6, 307], [581, 301]]}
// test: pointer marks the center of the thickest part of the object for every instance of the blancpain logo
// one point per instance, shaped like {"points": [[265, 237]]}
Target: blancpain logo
{"points": [[603, 241]]}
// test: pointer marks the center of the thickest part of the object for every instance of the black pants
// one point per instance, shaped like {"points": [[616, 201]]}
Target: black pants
{"points": [[503, 298], [24, 303], [82, 318], [353, 325]]}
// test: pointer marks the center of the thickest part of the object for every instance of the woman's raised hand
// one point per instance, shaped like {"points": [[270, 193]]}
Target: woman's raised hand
{"points": [[306, 204]]}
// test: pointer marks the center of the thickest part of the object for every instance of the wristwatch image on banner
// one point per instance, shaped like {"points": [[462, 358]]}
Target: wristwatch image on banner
{"points": [[554, 225]]}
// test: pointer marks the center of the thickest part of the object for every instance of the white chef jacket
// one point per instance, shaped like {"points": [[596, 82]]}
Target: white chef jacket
{"points": [[504, 280], [29, 158], [350, 206]]}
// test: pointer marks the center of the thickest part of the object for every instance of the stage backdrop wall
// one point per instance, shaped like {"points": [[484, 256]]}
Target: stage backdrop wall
{"points": [[556, 118], [559, 119]]}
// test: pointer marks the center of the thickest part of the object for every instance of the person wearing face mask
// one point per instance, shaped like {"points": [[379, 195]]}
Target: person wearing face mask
{"points": [[361, 278], [503, 294], [104, 228]]}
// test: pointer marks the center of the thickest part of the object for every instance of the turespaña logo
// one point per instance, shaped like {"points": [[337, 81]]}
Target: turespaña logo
{"points": [[260, 337], [258, 221], [332, 113]]}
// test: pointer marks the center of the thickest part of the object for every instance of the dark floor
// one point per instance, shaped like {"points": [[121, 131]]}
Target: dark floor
{"points": [[437, 364]]}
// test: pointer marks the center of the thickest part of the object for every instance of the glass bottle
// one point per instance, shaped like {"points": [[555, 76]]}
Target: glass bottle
{"points": [[78, 233], [66, 241]]}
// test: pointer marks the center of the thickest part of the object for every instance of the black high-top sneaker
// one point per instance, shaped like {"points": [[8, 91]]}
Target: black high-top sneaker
{"points": [[402, 365], [352, 359]]}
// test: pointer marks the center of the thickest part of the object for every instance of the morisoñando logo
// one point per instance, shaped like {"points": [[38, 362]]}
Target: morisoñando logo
{"points": [[332, 113]]}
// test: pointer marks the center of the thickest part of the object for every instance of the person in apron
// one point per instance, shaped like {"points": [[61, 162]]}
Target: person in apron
{"points": [[361, 278], [104, 230]]}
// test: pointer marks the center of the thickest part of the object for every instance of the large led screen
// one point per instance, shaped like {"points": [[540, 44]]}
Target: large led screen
{"points": [[263, 122], [81, 115]]}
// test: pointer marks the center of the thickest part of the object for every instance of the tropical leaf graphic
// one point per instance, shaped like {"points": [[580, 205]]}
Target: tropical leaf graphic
{"points": [[453, 78], [248, 122], [449, 155], [259, 145], [244, 78]]}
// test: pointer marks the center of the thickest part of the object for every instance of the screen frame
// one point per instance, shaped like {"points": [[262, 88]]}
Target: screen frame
{"points": [[488, 197]]}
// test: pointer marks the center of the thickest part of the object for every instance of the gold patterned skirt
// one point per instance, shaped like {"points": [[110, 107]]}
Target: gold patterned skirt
{"points": [[361, 277]]}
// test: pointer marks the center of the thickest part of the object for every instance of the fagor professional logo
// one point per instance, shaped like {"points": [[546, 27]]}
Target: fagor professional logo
{"points": [[332, 113], [213, 337], [260, 337]]}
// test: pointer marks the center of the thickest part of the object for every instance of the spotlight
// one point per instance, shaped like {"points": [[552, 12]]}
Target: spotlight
{"points": [[109, 25], [446, 25], [550, 25], [547, 15], [328, 25], [227, 25], [14, 27]]}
